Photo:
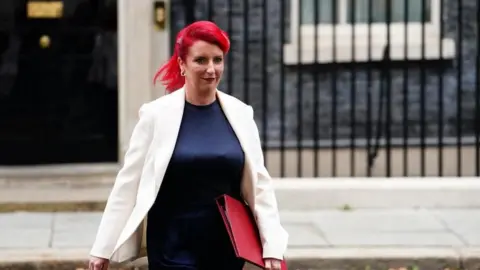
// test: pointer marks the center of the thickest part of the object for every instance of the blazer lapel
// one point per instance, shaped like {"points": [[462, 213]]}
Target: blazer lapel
{"points": [[237, 120], [167, 133]]}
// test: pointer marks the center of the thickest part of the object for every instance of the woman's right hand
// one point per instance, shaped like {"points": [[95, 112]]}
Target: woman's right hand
{"points": [[98, 263]]}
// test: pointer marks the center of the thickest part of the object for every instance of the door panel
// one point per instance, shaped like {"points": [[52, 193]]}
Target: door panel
{"points": [[58, 84]]}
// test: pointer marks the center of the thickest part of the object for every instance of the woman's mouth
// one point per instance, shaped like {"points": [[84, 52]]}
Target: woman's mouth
{"points": [[210, 80]]}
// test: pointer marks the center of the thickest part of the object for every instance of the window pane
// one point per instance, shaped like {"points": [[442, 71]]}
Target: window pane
{"points": [[399, 8], [326, 10]]}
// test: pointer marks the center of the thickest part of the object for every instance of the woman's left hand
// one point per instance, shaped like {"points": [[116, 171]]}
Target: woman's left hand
{"points": [[273, 264]]}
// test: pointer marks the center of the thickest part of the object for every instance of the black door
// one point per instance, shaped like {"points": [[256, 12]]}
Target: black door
{"points": [[58, 81]]}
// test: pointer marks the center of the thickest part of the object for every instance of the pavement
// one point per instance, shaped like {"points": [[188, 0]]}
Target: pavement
{"points": [[322, 239], [90, 193]]}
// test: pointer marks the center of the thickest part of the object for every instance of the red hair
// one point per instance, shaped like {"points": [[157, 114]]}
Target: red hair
{"points": [[169, 73]]}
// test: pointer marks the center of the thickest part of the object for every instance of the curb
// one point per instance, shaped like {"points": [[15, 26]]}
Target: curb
{"points": [[298, 259]]}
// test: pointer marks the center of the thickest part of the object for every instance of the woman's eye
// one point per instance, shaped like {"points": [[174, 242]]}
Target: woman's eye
{"points": [[201, 60], [218, 60]]}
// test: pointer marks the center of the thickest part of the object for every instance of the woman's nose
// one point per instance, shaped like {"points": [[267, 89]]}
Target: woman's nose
{"points": [[211, 68]]}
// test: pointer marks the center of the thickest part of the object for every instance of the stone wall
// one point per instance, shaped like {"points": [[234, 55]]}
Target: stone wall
{"points": [[249, 33]]}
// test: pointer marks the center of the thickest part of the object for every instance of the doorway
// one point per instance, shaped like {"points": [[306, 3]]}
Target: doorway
{"points": [[58, 82]]}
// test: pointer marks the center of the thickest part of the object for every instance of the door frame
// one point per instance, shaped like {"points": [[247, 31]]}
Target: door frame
{"points": [[141, 50]]}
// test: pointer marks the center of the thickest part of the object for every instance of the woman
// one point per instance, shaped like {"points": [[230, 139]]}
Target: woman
{"points": [[196, 143]]}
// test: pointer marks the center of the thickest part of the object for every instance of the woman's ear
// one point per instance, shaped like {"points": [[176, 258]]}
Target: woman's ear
{"points": [[181, 64]]}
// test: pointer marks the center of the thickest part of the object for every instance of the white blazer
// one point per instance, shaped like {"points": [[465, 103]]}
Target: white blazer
{"points": [[120, 235]]}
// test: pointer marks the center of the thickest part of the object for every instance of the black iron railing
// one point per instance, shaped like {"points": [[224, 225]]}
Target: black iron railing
{"points": [[358, 88]]}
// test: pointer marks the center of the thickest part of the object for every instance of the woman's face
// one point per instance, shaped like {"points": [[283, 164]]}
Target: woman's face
{"points": [[203, 66]]}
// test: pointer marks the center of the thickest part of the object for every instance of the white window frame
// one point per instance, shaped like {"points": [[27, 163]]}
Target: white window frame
{"points": [[363, 50]]}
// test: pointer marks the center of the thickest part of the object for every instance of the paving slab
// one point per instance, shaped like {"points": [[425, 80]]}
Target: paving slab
{"points": [[459, 220], [472, 238], [25, 230], [328, 239], [397, 239], [375, 220], [24, 220], [76, 221], [305, 235], [68, 239], [74, 230], [25, 238]]}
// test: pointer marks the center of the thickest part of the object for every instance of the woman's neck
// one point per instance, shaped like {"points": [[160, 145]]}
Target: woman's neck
{"points": [[198, 97]]}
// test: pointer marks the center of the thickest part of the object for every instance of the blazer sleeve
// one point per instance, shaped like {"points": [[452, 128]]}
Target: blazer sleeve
{"points": [[122, 198], [273, 235]]}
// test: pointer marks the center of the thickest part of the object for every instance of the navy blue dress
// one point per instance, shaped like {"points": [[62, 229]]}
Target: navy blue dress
{"points": [[184, 228]]}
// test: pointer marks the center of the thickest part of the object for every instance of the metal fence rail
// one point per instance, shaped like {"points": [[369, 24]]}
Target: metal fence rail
{"points": [[358, 88]]}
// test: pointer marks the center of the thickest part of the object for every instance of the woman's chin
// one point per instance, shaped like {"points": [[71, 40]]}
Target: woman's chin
{"points": [[207, 87]]}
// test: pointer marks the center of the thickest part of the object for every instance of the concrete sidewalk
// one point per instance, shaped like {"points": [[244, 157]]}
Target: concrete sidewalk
{"points": [[304, 194], [327, 239]]}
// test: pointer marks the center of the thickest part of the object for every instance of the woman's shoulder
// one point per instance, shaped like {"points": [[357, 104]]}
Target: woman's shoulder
{"points": [[162, 101], [231, 100]]}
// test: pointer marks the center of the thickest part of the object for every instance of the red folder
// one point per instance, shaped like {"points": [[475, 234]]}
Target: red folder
{"points": [[243, 231]]}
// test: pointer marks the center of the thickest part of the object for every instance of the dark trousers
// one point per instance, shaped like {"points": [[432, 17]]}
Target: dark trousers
{"points": [[196, 240]]}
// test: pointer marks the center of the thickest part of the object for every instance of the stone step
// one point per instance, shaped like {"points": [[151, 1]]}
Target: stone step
{"points": [[303, 259], [348, 193], [292, 194], [61, 199]]}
